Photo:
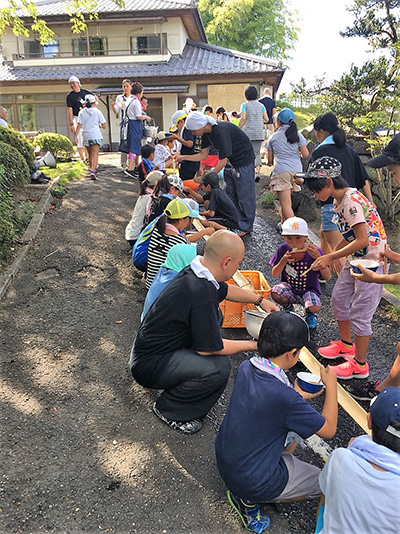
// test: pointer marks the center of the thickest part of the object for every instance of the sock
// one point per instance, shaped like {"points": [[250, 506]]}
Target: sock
{"points": [[359, 363], [347, 343]]}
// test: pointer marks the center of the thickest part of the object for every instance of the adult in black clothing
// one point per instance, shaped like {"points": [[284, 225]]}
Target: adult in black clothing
{"points": [[179, 347], [233, 145], [332, 141], [270, 106], [75, 102]]}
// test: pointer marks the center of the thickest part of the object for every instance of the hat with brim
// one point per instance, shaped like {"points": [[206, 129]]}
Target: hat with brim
{"points": [[179, 115], [176, 181], [325, 167], [163, 135], [385, 409], [177, 209], [153, 177], [291, 328], [193, 207], [390, 154]]}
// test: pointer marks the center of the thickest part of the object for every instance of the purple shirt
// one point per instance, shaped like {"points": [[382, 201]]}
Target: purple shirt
{"points": [[292, 271]]}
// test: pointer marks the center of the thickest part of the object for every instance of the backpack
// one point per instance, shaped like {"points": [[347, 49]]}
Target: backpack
{"points": [[141, 247]]}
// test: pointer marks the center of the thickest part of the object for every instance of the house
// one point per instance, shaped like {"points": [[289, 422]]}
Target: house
{"points": [[160, 43]]}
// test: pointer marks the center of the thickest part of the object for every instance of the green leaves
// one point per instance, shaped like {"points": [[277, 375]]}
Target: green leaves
{"points": [[264, 27]]}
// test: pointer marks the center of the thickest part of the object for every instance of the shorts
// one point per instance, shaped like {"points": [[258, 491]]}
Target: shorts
{"points": [[90, 142], [308, 299], [283, 181], [327, 214], [303, 479], [79, 144]]}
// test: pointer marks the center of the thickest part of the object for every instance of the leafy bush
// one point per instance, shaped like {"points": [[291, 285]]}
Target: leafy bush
{"points": [[59, 145], [7, 230], [23, 214], [16, 171], [17, 140], [59, 191], [268, 198]]}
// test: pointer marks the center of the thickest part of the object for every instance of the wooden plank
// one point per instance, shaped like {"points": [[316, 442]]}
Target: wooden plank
{"points": [[345, 400]]}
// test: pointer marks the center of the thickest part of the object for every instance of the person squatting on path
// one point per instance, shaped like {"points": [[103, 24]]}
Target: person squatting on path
{"points": [[257, 436], [292, 259], [90, 120], [233, 145], [285, 148], [361, 484], [353, 302], [179, 347]]}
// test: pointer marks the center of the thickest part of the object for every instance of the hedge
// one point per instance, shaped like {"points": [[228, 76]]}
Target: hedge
{"points": [[59, 145], [19, 141], [16, 171]]}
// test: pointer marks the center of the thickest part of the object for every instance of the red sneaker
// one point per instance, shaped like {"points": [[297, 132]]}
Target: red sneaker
{"points": [[336, 349], [350, 369]]}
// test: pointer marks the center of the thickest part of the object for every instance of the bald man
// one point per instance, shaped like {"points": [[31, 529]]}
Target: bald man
{"points": [[179, 347]]}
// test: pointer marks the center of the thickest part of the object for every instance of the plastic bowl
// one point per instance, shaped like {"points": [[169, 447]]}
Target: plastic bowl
{"points": [[372, 265], [309, 382], [253, 320]]}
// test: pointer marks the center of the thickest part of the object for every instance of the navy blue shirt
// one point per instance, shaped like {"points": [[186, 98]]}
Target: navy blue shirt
{"points": [[231, 142], [251, 438], [223, 207], [269, 104]]}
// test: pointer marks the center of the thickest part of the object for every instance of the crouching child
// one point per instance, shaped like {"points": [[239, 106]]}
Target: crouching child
{"points": [[255, 441], [361, 484]]}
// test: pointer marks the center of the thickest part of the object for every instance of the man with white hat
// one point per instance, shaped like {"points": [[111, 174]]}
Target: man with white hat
{"points": [[75, 102], [233, 145]]}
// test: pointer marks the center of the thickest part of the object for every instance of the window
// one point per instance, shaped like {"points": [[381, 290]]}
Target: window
{"points": [[97, 46], [33, 49], [149, 44], [202, 95]]}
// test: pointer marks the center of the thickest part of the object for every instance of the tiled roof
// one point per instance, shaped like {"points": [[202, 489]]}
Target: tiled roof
{"points": [[48, 8], [197, 59]]}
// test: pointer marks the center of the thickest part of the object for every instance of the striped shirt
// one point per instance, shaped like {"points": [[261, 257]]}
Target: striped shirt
{"points": [[158, 249]]}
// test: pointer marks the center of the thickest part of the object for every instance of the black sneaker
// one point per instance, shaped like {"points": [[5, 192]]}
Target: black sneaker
{"points": [[131, 174], [250, 514], [321, 279], [187, 427], [364, 392]]}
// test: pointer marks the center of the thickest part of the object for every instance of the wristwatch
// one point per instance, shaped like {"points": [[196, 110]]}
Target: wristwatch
{"points": [[71, 123]]}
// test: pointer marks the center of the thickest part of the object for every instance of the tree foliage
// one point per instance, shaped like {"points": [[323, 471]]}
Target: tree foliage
{"points": [[13, 16], [264, 27]]}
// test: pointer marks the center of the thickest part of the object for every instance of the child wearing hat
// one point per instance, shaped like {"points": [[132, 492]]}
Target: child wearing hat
{"points": [[162, 156], [90, 120], [169, 231], [292, 262], [135, 225], [285, 149], [359, 484], [263, 413], [363, 237]]}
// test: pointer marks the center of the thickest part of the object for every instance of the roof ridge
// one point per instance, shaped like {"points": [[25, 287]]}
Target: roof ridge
{"points": [[232, 52]]}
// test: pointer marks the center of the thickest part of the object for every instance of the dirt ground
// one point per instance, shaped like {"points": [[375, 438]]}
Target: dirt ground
{"points": [[81, 448]]}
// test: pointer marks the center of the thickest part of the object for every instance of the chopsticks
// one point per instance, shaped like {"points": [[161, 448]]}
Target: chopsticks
{"points": [[385, 260], [307, 271]]}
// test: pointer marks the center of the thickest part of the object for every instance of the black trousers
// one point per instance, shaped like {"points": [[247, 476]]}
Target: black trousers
{"points": [[192, 384]]}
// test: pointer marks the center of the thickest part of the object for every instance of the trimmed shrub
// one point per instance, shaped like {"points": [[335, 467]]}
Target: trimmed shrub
{"points": [[7, 230], [17, 140], [16, 171], [59, 145]]}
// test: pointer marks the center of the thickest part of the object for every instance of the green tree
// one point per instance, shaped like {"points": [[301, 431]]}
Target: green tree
{"points": [[13, 16], [264, 27]]}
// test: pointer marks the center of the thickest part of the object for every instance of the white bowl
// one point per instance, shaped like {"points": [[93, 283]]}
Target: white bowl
{"points": [[372, 265]]}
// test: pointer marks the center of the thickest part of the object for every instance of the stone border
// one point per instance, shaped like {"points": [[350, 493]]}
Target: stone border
{"points": [[27, 238]]}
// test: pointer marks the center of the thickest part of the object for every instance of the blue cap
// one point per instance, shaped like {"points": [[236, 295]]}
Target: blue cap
{"points": [[193, 207], [285, 116], [385, 409]]}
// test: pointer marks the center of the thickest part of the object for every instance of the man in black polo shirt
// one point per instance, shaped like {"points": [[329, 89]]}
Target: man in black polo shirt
{"points": [[75, 102], [179, 347], [233, 145]]}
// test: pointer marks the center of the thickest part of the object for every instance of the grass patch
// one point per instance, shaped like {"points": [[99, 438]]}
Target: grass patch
{"points": [[268, 198], [394, 290], [67, 173], [395, 312]]}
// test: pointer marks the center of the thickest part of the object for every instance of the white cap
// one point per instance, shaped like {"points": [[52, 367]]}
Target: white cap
{"points": [[294, 226], [74, 79], [90, 98]]}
